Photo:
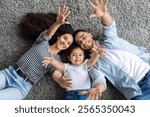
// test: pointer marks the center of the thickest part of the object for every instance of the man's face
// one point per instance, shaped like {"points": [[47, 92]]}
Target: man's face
{"points": [[85, 40]]}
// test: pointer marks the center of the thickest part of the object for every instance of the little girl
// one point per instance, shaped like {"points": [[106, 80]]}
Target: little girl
{"points": [[76, 70]]}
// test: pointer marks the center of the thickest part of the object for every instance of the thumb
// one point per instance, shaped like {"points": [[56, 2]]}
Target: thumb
{"points": [[92, 15]]}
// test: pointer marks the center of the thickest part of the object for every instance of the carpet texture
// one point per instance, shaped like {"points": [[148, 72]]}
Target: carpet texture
{"points": [[132, 19]]}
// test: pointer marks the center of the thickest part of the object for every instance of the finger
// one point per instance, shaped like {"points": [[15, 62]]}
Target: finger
{"points": [[67, 22], [101, 1], [96, 2], [68, 13], [66, 10], [106, 2], [83, 92], [58, 10], [91, 4], [63, 10], [92, 15]]}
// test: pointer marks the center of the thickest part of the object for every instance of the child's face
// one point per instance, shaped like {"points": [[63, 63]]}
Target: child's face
{"points": [[77, 56]]}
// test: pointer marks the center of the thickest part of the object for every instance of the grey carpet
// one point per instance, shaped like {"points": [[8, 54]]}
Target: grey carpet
{"points": [[132, 18]]}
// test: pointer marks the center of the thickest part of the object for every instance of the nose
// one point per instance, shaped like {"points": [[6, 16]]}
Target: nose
{"points": [[82, 42]]}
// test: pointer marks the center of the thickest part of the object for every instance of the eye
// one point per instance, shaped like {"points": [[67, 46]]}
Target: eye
{"points": [[65, 38], [69, 43]]}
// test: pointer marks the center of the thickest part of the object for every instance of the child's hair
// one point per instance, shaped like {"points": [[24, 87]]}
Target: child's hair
{"points": [[32, 24], [71, 48]]}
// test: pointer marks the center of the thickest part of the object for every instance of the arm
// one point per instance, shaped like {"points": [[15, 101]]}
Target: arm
{"points": [[61, 19], [92, 60], [54, 62], [100, 11]]}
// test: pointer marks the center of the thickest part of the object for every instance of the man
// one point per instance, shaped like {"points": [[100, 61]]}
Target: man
{"points": [[121, 62]]}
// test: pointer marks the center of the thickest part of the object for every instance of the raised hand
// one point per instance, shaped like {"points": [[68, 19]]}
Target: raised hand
{"points": [[99, 50], [62, 14], [100, 8]]}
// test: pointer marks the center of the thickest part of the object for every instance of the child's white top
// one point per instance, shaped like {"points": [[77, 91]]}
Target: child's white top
{"points": [[79, 75]]}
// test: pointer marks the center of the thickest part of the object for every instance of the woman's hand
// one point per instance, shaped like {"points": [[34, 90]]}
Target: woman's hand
{"points": [[62, 14], [100, 8]]}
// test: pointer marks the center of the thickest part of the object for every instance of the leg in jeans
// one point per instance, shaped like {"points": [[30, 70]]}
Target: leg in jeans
{"points": [[7, 92], [10, 94], [145, 87]]}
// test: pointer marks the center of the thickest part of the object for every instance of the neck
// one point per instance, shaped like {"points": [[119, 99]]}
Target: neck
{"points": [[53, 49]]}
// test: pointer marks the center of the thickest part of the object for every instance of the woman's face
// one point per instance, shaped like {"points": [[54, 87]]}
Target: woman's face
{"points": [[77, 56], [64, 41]]}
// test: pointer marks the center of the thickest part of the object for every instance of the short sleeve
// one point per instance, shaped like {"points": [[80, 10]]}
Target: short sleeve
{"points": [[40, 38]]}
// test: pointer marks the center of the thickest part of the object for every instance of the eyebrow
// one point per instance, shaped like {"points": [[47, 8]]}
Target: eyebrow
{"points": [[80, 38], [81, 35]]}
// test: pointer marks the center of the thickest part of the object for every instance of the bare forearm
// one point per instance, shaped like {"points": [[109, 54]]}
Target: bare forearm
{"points": [[51, 31], [58, 64], [106, 19], [56, 75], [93, 59]]}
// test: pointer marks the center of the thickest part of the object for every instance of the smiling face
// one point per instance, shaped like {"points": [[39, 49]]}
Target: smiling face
{"points": [[84, 39], [64, 41], [77, 56]]}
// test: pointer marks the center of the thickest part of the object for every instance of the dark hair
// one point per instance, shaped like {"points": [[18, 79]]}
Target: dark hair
{"points": [[77, 31], [80, 30], [32, 24], [71, 48]]}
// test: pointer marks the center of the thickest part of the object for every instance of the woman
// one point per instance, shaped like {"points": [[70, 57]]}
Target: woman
{"points": [[16, 81]]}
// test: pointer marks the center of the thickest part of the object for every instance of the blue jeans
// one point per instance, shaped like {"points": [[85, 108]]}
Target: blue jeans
{"points": [[74, 95], [145, 87], [12, 86]]}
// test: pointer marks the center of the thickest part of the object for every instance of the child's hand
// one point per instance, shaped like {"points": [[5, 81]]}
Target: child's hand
{"points": [[99, 51], [63, 13], [46, 61]]}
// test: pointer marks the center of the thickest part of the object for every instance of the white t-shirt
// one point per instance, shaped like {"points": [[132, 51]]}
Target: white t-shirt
{"points": [[79, 76], [129, 63]]}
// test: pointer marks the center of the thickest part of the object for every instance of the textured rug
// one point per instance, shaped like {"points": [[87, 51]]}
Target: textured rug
{"points": [[132, 19]]}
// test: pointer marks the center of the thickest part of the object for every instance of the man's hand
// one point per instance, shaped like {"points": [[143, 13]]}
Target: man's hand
{"points": [[62, 14], [93, 93], [100, 8]]}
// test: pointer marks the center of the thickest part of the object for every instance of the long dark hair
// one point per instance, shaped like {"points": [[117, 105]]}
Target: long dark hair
{"points": [[32, 24]]}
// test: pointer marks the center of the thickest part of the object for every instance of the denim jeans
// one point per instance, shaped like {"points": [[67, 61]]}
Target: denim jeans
{"points": [[12, 86], [145, 87], [74, 95]]}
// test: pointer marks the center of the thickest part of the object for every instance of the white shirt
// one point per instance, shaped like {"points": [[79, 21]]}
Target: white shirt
{"points": [[128, 64], [78, 75]]}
